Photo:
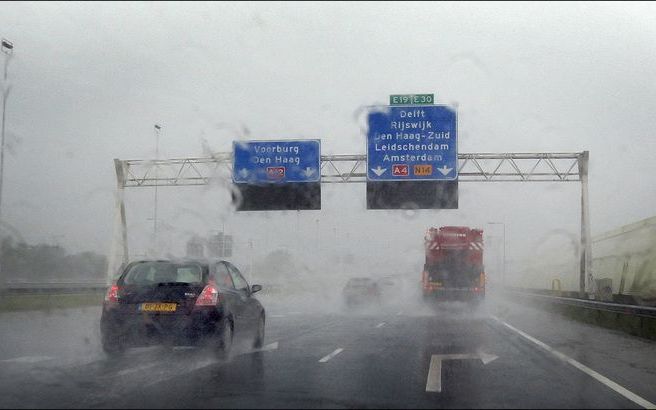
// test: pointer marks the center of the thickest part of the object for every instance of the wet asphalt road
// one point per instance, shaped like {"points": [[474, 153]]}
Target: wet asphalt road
{"points": [[311, 360]]}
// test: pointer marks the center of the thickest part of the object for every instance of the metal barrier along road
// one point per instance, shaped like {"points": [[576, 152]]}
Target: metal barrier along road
{"points": [[25, 288], [631, 310]]}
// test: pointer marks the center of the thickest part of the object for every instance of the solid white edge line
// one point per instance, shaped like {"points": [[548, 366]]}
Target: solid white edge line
{"points": [[330, 356], [600, 378]]}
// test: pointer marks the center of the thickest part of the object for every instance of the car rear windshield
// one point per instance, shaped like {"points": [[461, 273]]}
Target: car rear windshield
{"points": [[155, 273]]}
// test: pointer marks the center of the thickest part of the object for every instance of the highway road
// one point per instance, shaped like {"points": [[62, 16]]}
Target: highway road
{"points": [[504, 356]]}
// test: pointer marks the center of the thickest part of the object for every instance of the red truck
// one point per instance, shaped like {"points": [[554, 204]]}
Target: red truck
{"points": [[454, 264]]}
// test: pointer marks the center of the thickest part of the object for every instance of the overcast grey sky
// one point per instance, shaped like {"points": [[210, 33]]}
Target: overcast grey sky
{"points": [[89, 80]]}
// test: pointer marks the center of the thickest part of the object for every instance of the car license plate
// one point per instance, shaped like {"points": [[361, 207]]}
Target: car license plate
{"points": [[158, 307]]}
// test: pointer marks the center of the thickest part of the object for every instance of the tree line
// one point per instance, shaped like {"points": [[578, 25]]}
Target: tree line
{"points": [[22, 262]]}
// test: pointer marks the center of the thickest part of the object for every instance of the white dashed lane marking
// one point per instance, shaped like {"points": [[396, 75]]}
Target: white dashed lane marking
{"points": [[330, 356], [27, 359], [270, 347]]}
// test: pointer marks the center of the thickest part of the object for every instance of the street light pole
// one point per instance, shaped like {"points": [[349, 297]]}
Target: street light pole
{"points": [[250, 263], [503, 277], [157, 130], [8, 50]]}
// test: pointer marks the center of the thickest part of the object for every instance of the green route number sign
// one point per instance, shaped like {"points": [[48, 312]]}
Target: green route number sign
{"points": [[411, 99]]}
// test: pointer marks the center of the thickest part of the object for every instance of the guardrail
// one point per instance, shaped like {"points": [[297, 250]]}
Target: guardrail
{"points": [[632, 319], [633, 310]]}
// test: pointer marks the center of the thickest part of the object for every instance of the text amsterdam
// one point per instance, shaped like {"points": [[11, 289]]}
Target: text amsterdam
{"points": [[413, 134]]}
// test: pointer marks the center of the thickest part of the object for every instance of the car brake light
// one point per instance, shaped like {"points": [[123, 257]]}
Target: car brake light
{"points": [[112, 294], [209, 296]]}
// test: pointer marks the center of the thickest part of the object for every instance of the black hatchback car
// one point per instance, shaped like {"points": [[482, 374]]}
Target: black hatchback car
{"points": [[191, 302]]}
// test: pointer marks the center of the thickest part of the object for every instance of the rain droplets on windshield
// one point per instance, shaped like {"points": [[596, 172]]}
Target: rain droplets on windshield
{"points": [[387, 205]]}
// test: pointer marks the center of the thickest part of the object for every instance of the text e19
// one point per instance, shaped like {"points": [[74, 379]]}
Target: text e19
{"points": [[411, 99]]}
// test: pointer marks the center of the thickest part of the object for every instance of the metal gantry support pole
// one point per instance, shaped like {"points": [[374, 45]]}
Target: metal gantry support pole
{"points": [[586, 241], [120, 223], [504, 256], [7, 50], [158, 128], [5, 95]]}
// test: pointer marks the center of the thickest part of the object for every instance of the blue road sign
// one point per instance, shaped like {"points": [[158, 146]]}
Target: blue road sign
{"points": [[257, 162], [417, 143]]}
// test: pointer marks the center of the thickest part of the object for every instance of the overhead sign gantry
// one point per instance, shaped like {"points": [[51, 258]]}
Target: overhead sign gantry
{"points": [[419, 173]]}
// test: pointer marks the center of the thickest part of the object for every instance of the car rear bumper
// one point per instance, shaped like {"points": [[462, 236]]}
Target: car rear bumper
{"points": [[141, 329]]}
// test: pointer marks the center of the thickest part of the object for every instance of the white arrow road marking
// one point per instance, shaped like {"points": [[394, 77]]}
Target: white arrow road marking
{"points": [[330, 356], [445, 171], [434, 381], [379, 171], [602, 379], [244, 173], [308, 172]]}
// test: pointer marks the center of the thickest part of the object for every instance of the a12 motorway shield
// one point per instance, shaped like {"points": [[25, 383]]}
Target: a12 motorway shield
{"points": [[417, 143]]}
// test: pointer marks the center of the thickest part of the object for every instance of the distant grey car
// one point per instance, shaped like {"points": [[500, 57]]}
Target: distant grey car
{"points": [[361, 291]]}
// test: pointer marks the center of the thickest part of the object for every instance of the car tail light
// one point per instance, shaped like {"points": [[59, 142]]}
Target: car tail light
{"points": [[478, 290], [209, 296], [112, 294]]}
